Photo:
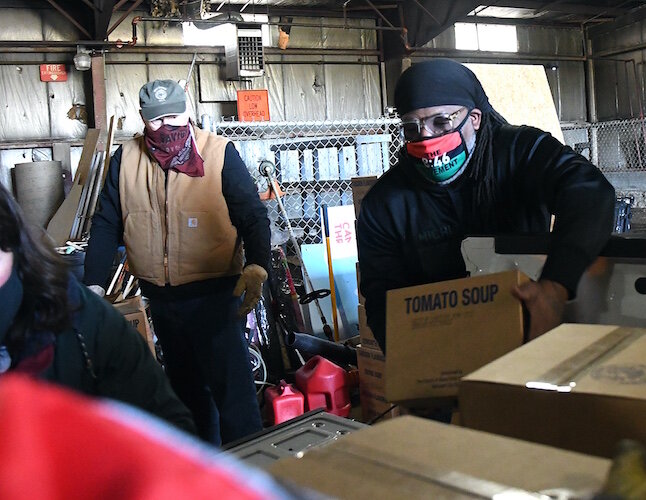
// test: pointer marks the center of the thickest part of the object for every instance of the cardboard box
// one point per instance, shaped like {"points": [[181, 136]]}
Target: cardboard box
{"points": [[360, 187], [366, 337], [529, 393], [437, 333], [372, 365], [409, 457], [135, 313]]}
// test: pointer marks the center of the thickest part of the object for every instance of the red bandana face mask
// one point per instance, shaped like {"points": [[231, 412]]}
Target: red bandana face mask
{"points": [[175, 147]]}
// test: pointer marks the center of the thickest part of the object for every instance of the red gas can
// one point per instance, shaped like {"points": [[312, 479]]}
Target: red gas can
{"points": [[283, 402], [324, 385]]}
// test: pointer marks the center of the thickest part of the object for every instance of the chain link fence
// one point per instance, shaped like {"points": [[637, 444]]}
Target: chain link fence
{"points": [[315, 160], [314, 163], [618, 148]]}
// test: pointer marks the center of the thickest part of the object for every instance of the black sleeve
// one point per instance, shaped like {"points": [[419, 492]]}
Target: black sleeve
{"points": [[106, 232], [247, 212], [577, 193], [381, 263]]}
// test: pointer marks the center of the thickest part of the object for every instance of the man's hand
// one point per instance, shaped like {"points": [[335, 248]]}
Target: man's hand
{"points": [[545, 301], [250, 283]]}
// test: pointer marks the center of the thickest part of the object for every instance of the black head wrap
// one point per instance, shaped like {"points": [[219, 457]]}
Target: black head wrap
{"points": [[439, 82]]}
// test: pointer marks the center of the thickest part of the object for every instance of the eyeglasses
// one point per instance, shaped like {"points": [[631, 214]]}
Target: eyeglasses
{"points": [[435, 125]]}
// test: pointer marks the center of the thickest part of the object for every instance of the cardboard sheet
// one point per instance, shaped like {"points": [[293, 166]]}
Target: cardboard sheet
{"points": [[520, 93]]}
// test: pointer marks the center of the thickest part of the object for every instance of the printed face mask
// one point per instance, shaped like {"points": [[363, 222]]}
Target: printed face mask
{"points": [[443, 158]]}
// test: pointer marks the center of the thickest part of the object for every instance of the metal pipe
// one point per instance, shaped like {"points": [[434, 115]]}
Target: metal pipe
{"points": [[463, 54], [269, 23]]}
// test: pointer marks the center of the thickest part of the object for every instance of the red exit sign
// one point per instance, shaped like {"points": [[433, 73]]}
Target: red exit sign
{"points": [[53, 73]]}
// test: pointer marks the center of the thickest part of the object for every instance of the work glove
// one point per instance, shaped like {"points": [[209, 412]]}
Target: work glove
{"points": [[250, 283], [97, 289]]}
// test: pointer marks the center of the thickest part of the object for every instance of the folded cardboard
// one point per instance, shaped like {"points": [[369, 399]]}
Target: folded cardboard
{"points": [[360, 187], [134, 311], [579, 387], [408, 457], [438, 333]]}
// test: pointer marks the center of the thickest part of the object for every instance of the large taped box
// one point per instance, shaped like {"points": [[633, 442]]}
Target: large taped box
{"points": [[437, 333], [579, 387], [134, 311], [409, 457]]}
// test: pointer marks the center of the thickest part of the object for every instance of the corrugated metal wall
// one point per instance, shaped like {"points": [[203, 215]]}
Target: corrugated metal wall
{"points": [[566, 77], [318, 89], [619, 78], [300, 87]]}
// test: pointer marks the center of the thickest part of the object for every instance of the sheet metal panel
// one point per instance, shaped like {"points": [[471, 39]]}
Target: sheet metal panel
{"points": [[605, 76], [122, 96], [344, 92], [25, 114], [304, 92]]}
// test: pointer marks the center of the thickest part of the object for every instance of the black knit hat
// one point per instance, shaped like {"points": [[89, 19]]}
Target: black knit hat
{"points": [[439, 82]]}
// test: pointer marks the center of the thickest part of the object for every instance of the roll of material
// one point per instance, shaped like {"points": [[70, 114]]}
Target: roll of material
{"points": [[310, 344], [39, 190]]}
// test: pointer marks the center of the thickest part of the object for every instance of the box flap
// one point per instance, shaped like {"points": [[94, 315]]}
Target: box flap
{"points": [[592, 359], [409, 456]]}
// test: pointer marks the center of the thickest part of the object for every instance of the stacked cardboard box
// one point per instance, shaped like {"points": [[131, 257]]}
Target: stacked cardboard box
{"points": [[578, 387], [134, 311], [409, 457]]}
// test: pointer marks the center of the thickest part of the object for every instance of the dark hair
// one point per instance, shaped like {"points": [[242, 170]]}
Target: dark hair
{"points": [[43, 272], [482, 169]]}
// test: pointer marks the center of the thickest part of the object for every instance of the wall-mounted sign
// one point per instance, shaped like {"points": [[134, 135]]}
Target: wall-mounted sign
{"points": [[53, 73], [253, 105]]}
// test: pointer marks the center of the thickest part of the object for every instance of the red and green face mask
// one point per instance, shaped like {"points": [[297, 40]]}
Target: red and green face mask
{"points": [[443, 157]]}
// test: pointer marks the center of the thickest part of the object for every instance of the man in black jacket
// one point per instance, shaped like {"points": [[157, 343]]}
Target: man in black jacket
{"points": [[183, 202], [464, 170]]}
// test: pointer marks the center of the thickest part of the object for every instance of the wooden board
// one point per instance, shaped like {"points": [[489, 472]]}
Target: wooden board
{"points": [[520, 93], [60, 225]]}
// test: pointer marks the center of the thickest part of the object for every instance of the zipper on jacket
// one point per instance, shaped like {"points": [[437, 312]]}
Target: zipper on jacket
{"points": [[166, 273]]}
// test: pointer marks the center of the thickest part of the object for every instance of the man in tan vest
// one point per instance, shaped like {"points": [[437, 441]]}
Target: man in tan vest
{"points": [[183, 202]]}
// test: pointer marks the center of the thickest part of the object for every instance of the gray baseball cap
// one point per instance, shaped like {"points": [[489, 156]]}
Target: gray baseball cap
{"points": [[161, 98]]}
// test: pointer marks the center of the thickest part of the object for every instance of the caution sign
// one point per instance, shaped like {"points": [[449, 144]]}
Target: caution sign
{"points": [[253, 105], [53, 73]]}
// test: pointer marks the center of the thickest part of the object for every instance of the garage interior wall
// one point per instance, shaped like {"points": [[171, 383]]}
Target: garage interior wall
{"points": [[301, 87]]}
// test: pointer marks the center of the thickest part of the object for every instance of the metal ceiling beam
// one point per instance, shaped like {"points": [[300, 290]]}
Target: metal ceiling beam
{"points": [[102, 19], [123, 17], [601, 13], [69, 18], [568, 8], [547, 7]]}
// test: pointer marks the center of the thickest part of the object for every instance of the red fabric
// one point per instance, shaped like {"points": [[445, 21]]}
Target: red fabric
{"points": [[58, 445], [435, 146], [38, 363], [174, 147]]}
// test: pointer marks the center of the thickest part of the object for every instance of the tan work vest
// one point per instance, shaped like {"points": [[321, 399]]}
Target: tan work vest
{"points": [[177, 230]]}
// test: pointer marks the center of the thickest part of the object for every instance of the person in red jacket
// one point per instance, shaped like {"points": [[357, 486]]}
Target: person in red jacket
{"points": [[56, 444]]}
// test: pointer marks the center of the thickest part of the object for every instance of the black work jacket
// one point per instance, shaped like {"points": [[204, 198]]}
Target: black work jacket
{"points": [[410, 230]]}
